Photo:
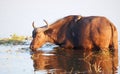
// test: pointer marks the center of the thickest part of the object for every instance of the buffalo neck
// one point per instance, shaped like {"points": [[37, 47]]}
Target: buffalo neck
{"points": [[59, 29]]}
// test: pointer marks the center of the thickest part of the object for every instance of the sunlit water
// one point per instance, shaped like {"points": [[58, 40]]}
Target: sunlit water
{"points": [[16, 59]]}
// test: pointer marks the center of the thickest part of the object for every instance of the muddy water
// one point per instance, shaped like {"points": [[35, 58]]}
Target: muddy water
{"points": [[72, 61]]}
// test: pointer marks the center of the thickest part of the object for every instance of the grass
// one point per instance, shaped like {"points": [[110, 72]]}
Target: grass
{"points": [[13, 39], [9, 41]]}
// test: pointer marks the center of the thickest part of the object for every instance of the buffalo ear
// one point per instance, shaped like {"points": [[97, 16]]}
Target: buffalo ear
{"points": [[48, 31]]}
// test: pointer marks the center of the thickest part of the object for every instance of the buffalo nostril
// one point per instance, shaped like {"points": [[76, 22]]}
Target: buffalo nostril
{"points": [[31, 47]]}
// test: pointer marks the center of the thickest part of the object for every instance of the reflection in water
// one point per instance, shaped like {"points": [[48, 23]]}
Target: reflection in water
{"points": [[69, 61]]}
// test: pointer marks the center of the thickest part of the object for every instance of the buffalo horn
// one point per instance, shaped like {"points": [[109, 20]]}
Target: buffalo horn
{"points": [[46, 23], [33, 25]]}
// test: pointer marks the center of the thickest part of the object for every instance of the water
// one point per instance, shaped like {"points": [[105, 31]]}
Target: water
{"points": [[68, 61], [16, 59]]}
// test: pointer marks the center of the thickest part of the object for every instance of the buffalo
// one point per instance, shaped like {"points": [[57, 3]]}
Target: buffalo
{"points": [[91, 33]]}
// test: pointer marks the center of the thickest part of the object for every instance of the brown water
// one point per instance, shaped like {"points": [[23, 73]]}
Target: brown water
{"points": [[69, 61]]}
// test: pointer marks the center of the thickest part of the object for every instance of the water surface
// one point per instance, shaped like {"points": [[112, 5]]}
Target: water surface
{"points": [[16, 59]]}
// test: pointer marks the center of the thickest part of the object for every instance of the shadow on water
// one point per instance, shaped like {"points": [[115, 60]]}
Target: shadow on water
{"points": [[72, 61]]}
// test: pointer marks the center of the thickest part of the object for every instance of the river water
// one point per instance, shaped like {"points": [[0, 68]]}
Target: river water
{"points": [[17, 59]]}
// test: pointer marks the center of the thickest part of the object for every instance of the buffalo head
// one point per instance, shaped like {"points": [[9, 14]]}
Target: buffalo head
{"points": [[40, 36]]}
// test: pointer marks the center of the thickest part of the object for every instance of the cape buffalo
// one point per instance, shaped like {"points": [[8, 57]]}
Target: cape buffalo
{"points": [[74, 31]]}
